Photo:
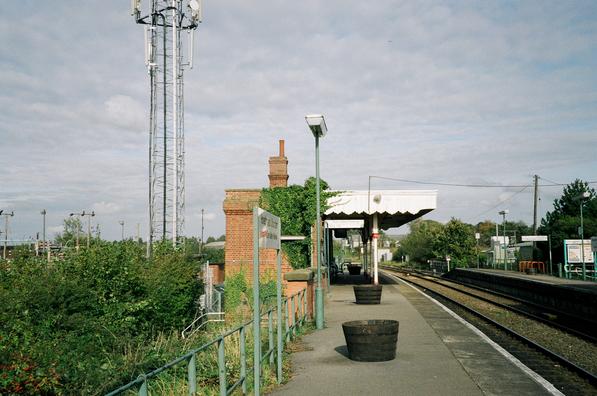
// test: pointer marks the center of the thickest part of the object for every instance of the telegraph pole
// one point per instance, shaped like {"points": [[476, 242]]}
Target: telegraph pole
{"points": [[535, 202]]}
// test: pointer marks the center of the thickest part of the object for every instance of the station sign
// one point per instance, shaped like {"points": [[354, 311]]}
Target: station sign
{"points": [[345, 224], [534, 238], [269, 230]]}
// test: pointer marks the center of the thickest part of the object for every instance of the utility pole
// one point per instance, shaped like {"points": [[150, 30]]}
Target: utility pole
{"points": [[535, 202]]}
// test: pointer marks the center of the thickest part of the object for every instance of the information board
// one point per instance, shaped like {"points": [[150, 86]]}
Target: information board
{"points": [[573, 250], [269, 230]]}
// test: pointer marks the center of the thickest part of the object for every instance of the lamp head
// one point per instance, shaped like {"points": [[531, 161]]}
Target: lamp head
{"points": [[504, 212], [316, 124]]}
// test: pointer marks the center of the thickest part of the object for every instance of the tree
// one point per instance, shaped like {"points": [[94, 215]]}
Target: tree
{"points": [[419, 243], [72, 227], [456, 240], [563, 222], [486, 229]]}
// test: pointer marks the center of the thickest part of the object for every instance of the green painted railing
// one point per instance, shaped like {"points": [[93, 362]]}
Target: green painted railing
{"points": [[294, 316]]}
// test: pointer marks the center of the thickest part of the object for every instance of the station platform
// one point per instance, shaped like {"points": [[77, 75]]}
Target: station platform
{"points": [[436, 353]]}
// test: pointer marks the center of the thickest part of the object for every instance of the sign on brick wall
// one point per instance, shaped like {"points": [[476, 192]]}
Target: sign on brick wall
{"points": [[269, 230]]}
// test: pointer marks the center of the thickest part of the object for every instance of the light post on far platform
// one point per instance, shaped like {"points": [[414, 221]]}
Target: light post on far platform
{"points": [[317, 125], [477, 237], [504, 213], [581, 197]]}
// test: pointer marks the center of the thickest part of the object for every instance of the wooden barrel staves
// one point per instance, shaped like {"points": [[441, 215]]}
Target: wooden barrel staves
{"points": [[354, 269], [371, 340], [367, 294]]}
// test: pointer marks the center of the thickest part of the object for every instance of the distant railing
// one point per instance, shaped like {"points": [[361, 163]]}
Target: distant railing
{"points": [[294, 316]]}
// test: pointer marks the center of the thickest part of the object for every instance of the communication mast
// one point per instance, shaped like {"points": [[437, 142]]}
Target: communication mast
{"points": [[164, 23]]}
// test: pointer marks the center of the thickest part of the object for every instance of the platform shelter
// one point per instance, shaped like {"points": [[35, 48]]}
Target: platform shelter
{"points": [[371, 211]]}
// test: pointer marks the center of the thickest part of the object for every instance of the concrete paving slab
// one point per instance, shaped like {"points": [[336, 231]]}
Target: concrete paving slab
{"points": [[435, 355]]}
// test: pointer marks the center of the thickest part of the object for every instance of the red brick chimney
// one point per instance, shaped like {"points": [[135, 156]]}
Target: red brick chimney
{"points": [[278, 169]]}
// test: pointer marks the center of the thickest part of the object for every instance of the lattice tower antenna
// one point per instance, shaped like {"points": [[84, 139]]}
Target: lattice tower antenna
{"points": [[165, 61]]}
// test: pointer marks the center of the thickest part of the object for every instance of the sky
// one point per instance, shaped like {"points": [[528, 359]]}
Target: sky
{"points": [[462, 92]]}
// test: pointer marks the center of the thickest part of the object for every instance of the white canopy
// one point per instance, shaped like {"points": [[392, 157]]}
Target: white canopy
{"points": [[393, 207]]}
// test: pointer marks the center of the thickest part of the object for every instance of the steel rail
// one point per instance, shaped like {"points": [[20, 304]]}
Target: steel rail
{"points": [[592, 378], [578, 333]]}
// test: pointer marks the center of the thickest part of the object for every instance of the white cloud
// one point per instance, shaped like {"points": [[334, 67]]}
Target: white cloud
{"points": [[106, 208], [458, 92], [125, 112]]}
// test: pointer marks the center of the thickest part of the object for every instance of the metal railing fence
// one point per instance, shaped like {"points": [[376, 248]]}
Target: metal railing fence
{"points": [[294, 316]]}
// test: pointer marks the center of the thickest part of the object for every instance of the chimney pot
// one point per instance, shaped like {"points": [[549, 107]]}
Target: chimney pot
{"points": [[281, 148]]}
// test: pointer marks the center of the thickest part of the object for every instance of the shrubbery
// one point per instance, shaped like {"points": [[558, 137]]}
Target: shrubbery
{"points": [[89, 322]]}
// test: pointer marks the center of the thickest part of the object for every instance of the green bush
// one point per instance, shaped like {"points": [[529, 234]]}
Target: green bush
{"points": [[90, 322]]}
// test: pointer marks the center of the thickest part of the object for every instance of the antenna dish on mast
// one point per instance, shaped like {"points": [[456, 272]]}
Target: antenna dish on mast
{"points": [[135, 5], [196, 14]]}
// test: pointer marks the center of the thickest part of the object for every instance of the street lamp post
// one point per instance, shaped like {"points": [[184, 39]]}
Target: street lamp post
{"points": [[317, 125], [477, 237], [504, 213], [43, 232], [6, 216], [78, 225], [202, 229], [581, 197], [121, 222], [89, 216]]}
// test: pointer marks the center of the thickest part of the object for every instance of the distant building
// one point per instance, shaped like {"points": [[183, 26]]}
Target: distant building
{"points": [[215, 245]]}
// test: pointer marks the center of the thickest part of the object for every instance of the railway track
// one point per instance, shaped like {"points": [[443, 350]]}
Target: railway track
{"points": [[562, 321], [565, 359]]}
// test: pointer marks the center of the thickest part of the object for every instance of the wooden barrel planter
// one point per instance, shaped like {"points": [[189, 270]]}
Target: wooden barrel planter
{"points": [[354, 269], [367, 294], [371, 340], [531, 271]]}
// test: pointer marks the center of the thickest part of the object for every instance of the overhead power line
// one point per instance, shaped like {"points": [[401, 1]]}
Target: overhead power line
{"points": [[498, 204], [474, 185]]}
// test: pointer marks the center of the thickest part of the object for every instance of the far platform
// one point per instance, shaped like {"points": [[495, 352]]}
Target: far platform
{"points": [[570, 297], [542, 278], [436, 353]]}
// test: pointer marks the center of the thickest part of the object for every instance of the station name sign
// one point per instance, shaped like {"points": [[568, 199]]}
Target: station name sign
{"points": [[269, 230], [534, 238]]}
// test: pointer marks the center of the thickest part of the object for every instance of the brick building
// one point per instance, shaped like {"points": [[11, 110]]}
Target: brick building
{"points": [[238, 207]]}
